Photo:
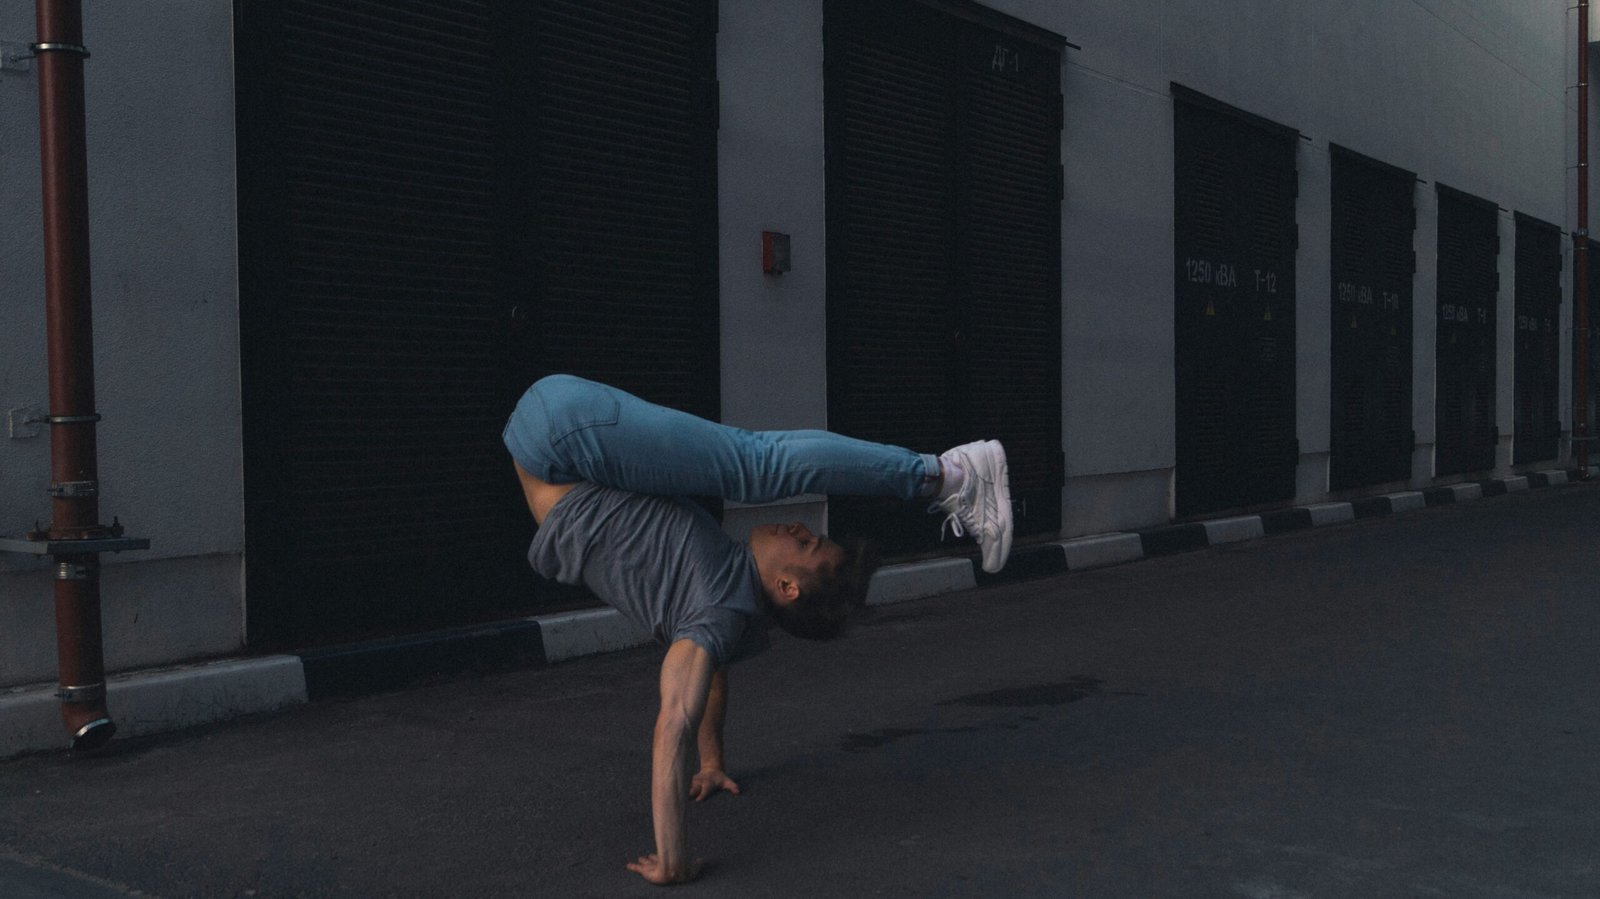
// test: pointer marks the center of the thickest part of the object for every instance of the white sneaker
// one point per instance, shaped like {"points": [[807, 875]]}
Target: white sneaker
{"points": [[982, 508]]}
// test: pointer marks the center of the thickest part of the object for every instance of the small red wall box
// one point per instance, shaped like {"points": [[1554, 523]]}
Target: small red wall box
{"points": [[774, 252]]}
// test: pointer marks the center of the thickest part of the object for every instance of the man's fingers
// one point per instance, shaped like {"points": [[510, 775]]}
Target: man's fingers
{"points": [[649, 867], [725, 783], [706, 786]]}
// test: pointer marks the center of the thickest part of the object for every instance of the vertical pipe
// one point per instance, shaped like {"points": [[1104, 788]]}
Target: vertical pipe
{"points": [[75, 506], [1580, 301]]}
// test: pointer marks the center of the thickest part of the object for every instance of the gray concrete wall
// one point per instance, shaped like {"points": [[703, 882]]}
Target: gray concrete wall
{"points": [[770, 178], [161, 165], [1505, 343], [1425, 336]]}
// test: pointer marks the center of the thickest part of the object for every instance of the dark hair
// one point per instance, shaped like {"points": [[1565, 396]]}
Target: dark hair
{"points": [[828, 594]]}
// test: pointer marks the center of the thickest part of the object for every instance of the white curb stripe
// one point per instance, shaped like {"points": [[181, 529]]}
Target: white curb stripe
{"points": [[1233, 530], [168, 700], [1102, 550], [1330, 513], [1466, 492], [899, 583], [1556, 476], [1516, 484], [30, 721], [587, 632], [155, 702], [1406, 502]]}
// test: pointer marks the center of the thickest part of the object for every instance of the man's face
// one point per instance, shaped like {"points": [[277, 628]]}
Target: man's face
{"points": [[794, 549]]}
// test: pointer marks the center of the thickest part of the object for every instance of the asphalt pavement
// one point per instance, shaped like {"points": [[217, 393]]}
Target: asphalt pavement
{"points": [[1405, 706]]}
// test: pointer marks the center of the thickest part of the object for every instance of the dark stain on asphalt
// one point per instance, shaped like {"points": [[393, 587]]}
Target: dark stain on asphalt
{"points": [[1062, 693], [1038, 695], [854, 742]]}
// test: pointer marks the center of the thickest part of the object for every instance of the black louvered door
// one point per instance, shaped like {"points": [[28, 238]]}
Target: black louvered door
{"points": [[441, 200], [617, 245], [1009, 245], [1235, 239], [1373, 219], [1537, 365], [943, 166], [1469, 287]]}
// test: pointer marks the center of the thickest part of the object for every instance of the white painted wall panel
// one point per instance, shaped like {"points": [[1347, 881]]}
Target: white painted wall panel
{"points": [[159, 98]]}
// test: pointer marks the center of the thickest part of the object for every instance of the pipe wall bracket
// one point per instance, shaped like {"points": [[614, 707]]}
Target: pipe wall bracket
{"points": [[75, 489], [75, 49], [83, 694], [77, 571]]}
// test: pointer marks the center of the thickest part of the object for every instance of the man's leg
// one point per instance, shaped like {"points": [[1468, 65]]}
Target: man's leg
{"points": [[569, 429]]}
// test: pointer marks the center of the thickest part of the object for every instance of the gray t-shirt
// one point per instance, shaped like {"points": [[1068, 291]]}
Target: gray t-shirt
{"points": [[663, 562]]}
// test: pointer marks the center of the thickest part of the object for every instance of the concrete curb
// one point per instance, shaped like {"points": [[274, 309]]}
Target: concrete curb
{"points": [[898, 583], [153, 702], [158, 701], [587, 632]]}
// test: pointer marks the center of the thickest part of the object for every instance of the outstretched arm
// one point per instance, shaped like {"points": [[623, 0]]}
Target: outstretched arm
{"points": [[685, 681], [713, 775]]}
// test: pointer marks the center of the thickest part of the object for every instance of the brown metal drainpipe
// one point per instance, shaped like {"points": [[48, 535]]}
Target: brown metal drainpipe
{"points": [[1580, 304], [74, 488]]}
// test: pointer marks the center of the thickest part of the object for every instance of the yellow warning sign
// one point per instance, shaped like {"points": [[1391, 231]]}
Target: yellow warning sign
{"points": [[1267, 315], [1211, 308]]}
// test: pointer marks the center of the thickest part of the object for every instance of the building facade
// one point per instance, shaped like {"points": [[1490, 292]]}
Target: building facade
{"points": [[1184, 257]]}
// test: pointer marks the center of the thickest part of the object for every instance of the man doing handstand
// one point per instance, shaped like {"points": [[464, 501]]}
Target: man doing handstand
{"points": [[604, 473]]}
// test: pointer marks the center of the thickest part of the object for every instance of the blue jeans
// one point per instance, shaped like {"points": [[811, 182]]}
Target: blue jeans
{"points": [[566, 429]]}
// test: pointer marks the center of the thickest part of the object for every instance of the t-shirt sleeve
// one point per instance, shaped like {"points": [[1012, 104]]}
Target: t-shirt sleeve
{"points": [[725, 635]]}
